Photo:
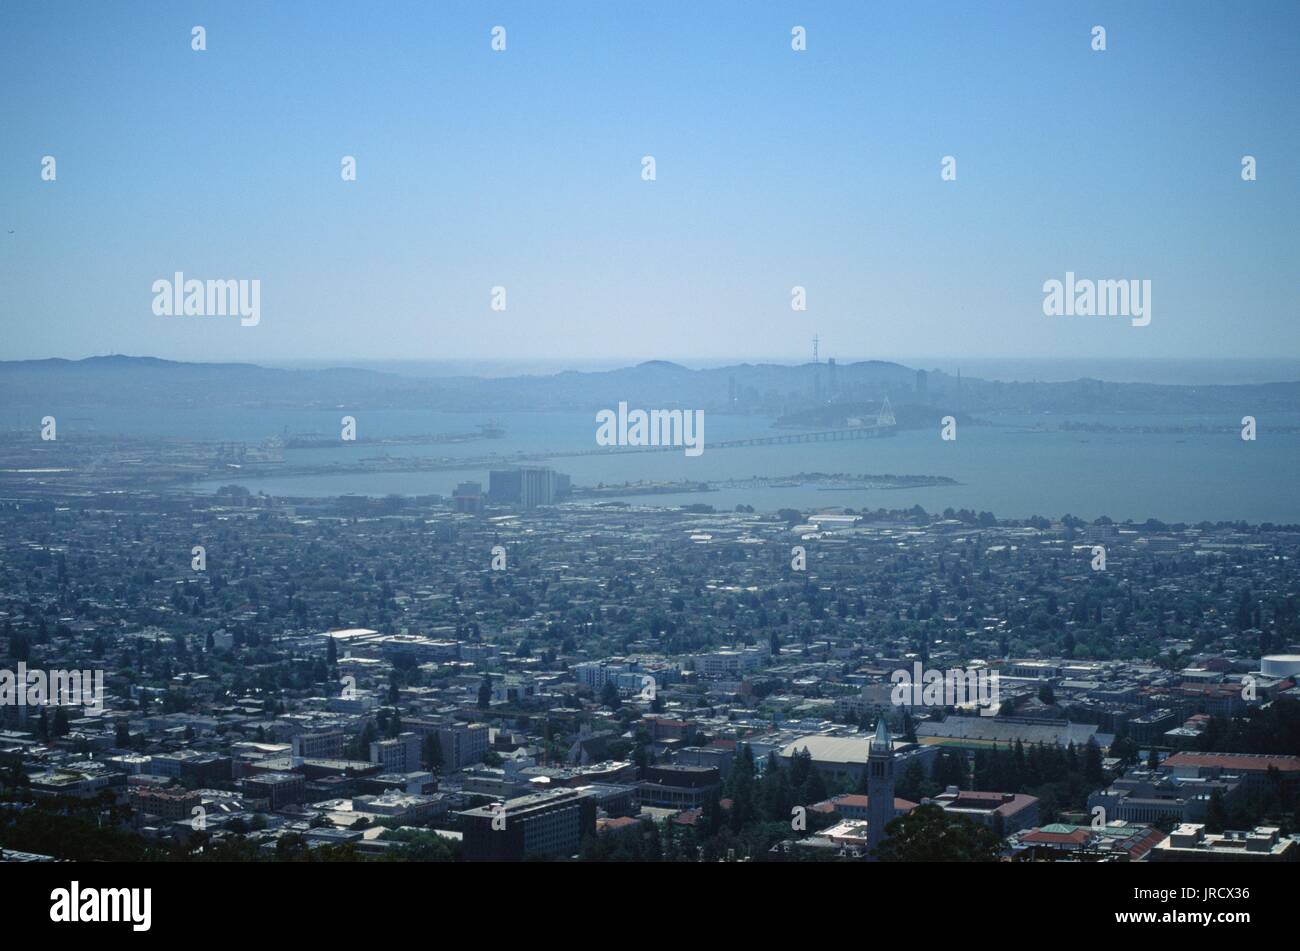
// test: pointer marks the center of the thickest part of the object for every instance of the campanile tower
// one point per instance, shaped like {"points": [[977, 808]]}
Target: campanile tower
{"points": [[880, 784]]}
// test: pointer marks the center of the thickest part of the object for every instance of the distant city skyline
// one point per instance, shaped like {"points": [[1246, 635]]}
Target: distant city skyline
{"points": [[1170, 371], [1043, 369], [775, 169]]}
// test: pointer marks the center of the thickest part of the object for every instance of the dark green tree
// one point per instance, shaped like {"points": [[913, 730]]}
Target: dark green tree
{"points": [[609, 695], [431, 752], [1216, 814], [928, 834]]}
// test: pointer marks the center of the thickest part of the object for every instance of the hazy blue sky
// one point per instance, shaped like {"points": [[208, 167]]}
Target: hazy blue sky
{"points": [[775, 168]]}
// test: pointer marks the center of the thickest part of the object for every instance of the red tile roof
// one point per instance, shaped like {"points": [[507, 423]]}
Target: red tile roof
{"points": [[1233, 761], [1141, 845], [851, 799], [1039, 837], [858, 801], [1004, 804]]}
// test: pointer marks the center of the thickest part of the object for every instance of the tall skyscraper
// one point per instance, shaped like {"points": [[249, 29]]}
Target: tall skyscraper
{"points": [[537, 487], [529, 486], [504, 485], [468, 497], [880, 785]]}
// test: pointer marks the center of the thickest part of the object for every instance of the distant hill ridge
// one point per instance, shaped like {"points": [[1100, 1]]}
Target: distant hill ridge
{"points": [[126, 381]]}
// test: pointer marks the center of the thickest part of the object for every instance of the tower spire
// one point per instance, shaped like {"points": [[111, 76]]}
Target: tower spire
{"points": [[880, 785]]}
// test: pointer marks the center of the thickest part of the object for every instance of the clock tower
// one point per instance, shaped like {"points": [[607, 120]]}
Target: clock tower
{"points": [[880, 785]]}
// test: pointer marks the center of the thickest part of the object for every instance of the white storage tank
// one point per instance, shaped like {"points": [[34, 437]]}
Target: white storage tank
{"points": [[1280, 665]]}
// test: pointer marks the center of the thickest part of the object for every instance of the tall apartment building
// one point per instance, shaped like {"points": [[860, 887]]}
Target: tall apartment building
{"points": [[537, 488], [551, 823], [505, 485], [529, 486], [325, 745], [398, 755], [463, 744]]}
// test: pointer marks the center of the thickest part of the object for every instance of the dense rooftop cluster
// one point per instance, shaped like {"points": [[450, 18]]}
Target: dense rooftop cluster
{"points": [[391, 678]]}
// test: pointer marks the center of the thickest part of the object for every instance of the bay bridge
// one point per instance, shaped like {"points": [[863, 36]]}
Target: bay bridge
{"points": [[785, 439], [884, 425]]}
